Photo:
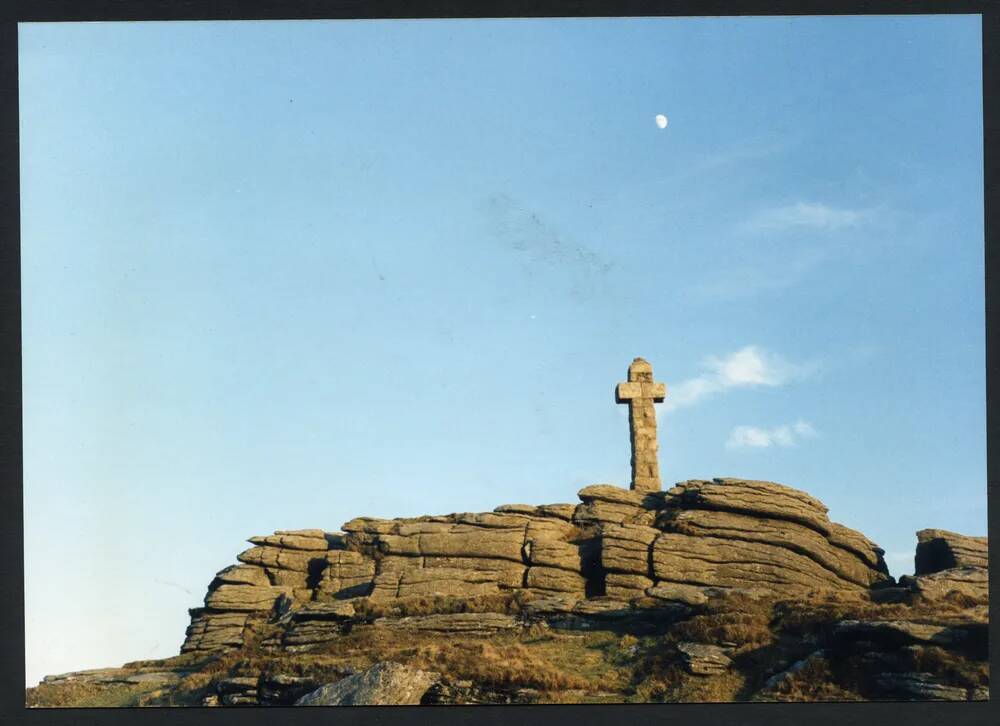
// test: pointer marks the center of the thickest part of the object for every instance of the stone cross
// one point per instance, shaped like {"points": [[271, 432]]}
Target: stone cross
{"points": [[640, 392]]}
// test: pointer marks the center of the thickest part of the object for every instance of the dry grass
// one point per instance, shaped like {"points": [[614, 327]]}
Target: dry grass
{"points": [[85, 695], [509, 603], [572, 666]]}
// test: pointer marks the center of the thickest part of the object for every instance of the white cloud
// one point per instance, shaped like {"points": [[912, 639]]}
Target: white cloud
{"points": [[807, 215], [749, 366], [752, 437]]}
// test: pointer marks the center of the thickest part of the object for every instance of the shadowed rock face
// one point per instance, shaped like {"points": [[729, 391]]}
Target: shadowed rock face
{"points": [[622, 545], [938, 550]]}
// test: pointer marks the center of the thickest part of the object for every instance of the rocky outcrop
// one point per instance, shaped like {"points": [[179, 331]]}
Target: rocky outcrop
{"points": [[969, 582], [677, 547], [950, 565], [383, 684], [939, 549]]}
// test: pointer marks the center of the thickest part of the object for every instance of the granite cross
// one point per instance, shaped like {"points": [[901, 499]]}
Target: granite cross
{"points": [[640, 392]]}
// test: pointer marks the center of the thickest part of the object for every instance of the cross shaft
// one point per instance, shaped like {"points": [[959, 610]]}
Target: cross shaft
{"points": [[640, 392]]}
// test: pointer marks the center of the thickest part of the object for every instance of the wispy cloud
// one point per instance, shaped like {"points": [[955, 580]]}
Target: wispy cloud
{"points": [[807, 215], [748, 366], [753, 437]]}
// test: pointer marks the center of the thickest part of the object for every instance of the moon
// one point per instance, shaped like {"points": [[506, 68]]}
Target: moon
{"points": [[661, 120]]}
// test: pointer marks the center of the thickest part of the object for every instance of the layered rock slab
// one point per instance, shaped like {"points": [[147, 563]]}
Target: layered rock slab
{"points": [[939, 549]]}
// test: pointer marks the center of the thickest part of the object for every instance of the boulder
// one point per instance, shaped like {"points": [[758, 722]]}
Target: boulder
{"points": [[292, 541], [434, 581], [244, 597], [281, 558], [552, 553], [625, 548], [383, 684], [703, 659], [242, 575], [674, 592], [853, 541], [842, 563], [347, 574], [557, 511], [455, 540], [338, 610], [616, 495], [939, 549], [971, 582], [717, 562], [919, 686], [756, 498], [626, 586], [599, 513], [214, 631], [554, 579]]}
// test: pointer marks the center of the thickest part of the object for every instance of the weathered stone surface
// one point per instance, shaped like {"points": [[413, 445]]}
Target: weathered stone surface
{"points": [[720, 562], [370, 525], [919, 686], [550, 528], [434, 581], [291, 541], [550, 602], [288, 578], [452, 623], [214, 631], [383, 684], [853, 541], [625, 548], [553, 553], [280, 558], [557, 511], [243, 575], [972, 582], [673, 592], [336, 610], [457, 541], [781, 533], [554, 579], [347, 574], [600, 513], [939, 549], [626, 586], [703, 659], [616, 495], [758, 498], [508, 573], [244, 597]]}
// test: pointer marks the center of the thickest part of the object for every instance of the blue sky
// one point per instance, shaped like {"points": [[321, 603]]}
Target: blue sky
{"points": [[281, 274]]}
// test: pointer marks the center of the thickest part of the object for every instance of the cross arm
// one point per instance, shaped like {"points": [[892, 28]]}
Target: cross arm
{"points": [[640, 389]]}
